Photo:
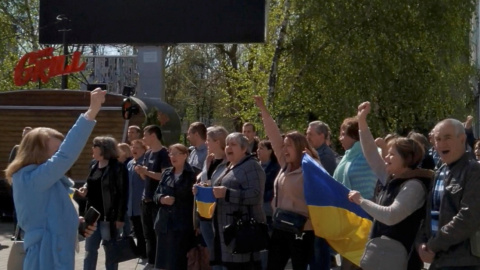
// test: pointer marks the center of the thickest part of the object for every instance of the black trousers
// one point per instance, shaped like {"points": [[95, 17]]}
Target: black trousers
{"points": [[285, 245], [138, 229], [149, 213], [244, 266]]}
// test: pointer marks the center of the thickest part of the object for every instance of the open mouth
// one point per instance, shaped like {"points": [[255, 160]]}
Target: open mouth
{"points": [[445, 152]]}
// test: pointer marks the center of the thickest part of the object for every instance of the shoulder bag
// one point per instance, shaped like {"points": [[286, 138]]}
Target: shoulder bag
{"points": [[245, 235], [285, 220], [17, 254], [384, 253]]}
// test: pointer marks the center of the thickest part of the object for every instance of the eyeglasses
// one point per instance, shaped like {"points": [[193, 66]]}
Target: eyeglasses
{"points": [[174, 154]]}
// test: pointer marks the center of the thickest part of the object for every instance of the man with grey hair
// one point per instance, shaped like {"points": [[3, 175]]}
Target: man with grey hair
{"points": [[317, 134], [453, 245]]}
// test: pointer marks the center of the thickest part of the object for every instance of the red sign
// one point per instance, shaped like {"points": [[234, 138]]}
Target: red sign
{"points": [[43, 65]]}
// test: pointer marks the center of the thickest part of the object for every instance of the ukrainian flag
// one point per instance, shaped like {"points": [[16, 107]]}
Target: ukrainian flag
{"points": [[342, 223], [205, 201]]}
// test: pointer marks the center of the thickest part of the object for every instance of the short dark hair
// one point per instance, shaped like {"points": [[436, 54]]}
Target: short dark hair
{"points": [[267, 144], [351, 128], [108, 146], [200, 128], [154, 129]]}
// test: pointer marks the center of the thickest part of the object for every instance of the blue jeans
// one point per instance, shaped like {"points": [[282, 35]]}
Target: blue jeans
{"points": [[207, 233], [321, 257], [92, 244]]}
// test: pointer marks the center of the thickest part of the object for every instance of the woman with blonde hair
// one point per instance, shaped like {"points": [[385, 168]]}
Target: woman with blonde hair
{"points": [[215, 165], [124, 153], [41, 190]]}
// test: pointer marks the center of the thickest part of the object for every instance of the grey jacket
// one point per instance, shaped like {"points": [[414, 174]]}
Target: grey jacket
{"points": [[459, 215], [245, 182]]}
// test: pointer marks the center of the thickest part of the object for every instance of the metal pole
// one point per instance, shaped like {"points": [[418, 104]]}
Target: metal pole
{"points": [[64, 28], [65, 52], [125, 130]]}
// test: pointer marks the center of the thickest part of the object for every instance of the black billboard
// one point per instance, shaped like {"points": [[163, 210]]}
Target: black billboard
{"points": [[152, 22]]}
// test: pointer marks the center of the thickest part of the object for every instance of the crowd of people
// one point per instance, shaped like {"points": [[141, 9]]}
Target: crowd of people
{"points": [[419, 192]]}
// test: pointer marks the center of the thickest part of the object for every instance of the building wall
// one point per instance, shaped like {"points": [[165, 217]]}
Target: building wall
{"points": [[57, 109]]}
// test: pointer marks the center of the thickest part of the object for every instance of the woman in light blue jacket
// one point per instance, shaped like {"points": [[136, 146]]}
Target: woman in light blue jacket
{"points": [[41, 190]]}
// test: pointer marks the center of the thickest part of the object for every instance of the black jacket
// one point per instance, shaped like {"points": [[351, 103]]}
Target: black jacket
{"points": [[271, 172], [114, 184], [406, 230], [179, 216]]}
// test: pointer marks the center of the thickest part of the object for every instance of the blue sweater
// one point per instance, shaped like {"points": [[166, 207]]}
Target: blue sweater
{"points": [[354, 172], [135, 188], [44, 208]]}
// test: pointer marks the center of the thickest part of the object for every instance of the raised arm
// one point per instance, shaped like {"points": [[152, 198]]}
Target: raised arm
{"points": [[271, 130], [369, 148], [48, 173]]}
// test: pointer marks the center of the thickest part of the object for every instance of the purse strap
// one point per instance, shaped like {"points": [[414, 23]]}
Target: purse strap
{"points": [[17, 230], [276, 187]]}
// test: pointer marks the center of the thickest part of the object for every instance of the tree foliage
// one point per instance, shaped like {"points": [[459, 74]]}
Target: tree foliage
{"points": [[411, 59]]}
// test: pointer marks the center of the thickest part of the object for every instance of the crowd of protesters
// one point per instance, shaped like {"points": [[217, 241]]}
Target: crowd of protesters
{"points": [[145, 189]]}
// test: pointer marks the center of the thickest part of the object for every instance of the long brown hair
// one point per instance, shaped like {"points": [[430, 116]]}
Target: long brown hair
{"points": [[32, 150], [300, 143]]}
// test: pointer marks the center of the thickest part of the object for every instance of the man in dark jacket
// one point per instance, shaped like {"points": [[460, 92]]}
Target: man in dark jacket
{"points": [[459, 220], [317, 134]]}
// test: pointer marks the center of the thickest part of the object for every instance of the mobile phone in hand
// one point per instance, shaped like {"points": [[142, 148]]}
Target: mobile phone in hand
{"points": [[91, 216]]}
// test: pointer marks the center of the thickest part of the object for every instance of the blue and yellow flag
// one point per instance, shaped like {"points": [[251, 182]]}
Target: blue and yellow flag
{"points": [[205, 201], [342, 223]]}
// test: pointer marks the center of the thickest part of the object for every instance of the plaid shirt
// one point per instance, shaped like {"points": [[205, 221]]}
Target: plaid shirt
{"points": [[440, 177]]}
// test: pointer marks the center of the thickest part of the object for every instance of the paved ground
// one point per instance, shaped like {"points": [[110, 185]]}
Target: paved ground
{"points": [[6, 229]]}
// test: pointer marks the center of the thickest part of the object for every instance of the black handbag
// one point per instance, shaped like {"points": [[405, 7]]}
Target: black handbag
{"points": [[246, 236], [288, 221], [120, 250]]}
